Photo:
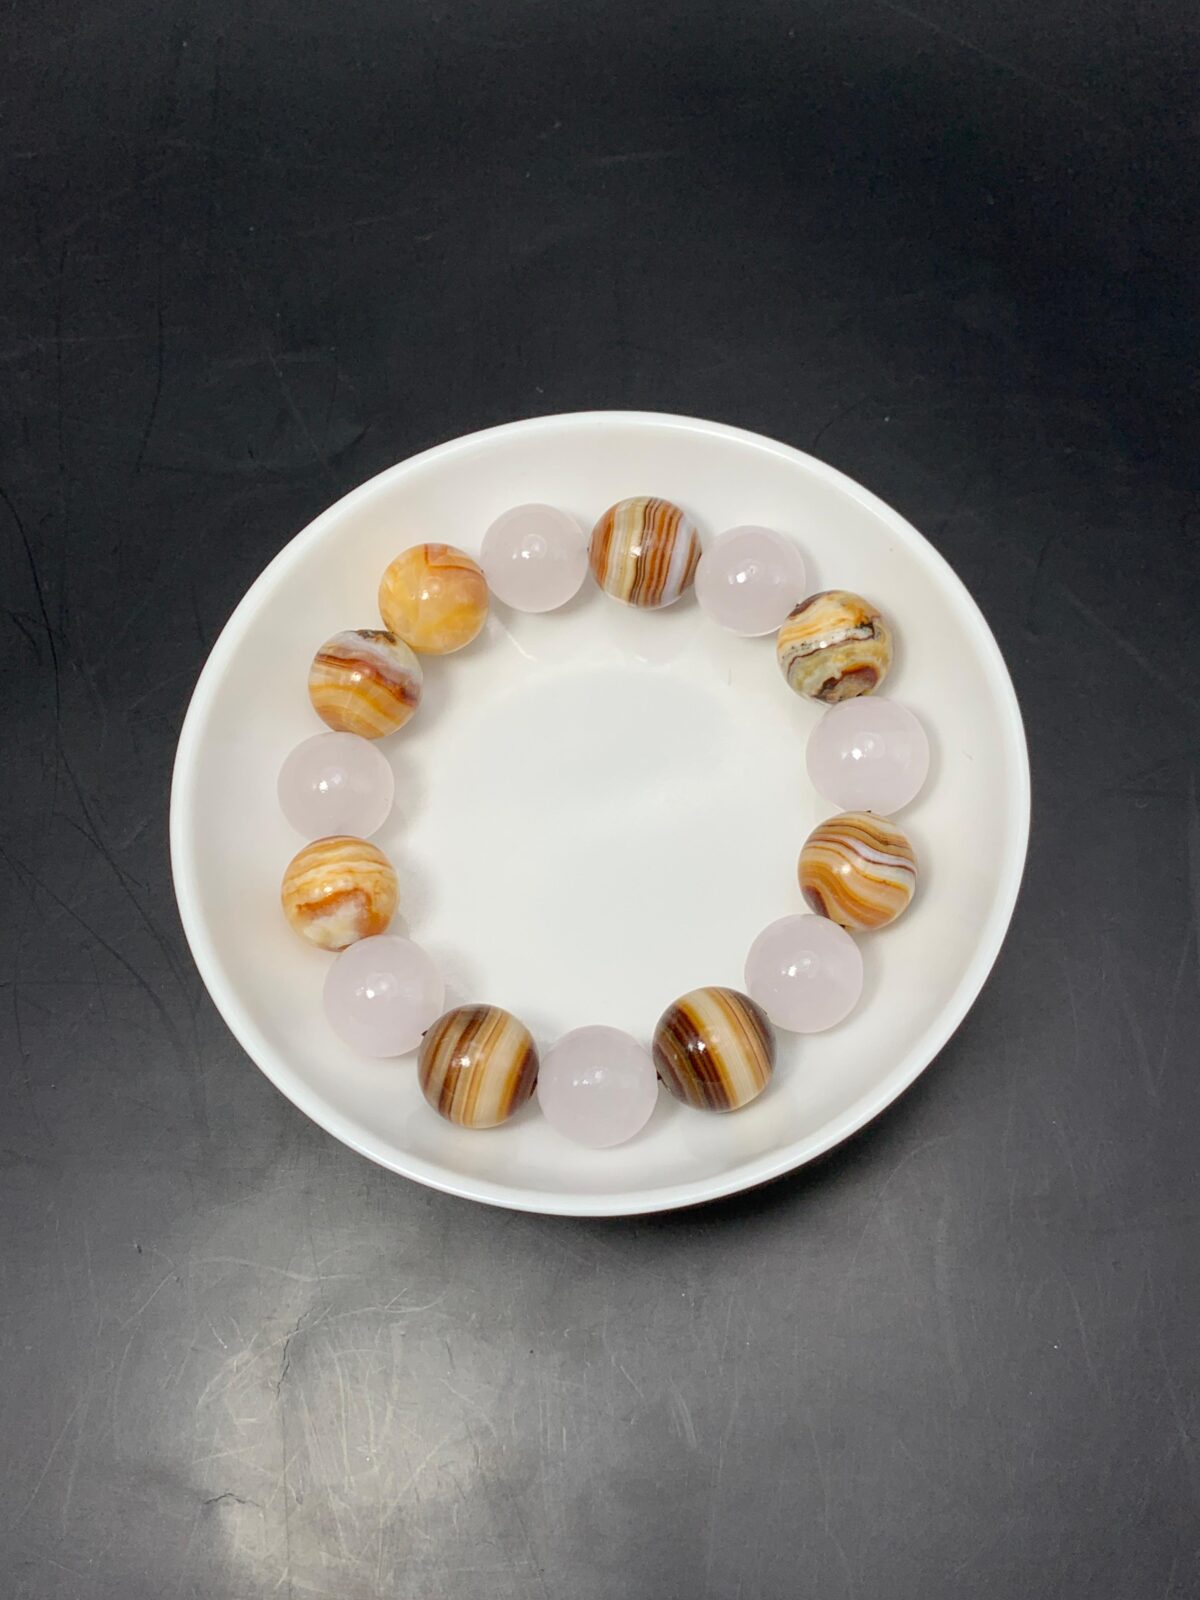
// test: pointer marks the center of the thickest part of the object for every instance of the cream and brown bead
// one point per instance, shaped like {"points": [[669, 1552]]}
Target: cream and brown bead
{"points": [[365, 681], [644, 551], [338, 890], [833, 646], [478, 1065], [435, 598], [714, 1049], [859, 870]]}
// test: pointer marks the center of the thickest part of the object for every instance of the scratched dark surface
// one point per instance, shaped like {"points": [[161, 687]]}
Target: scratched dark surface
{"points": [[254, 253]]}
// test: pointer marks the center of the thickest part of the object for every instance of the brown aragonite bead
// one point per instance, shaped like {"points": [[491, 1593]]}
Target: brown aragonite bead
{"points": [[644, 551], [859, 870], [478, 1065], [338, 890], [365, 681], [714, 1049], [434, 597], [833, 646]]}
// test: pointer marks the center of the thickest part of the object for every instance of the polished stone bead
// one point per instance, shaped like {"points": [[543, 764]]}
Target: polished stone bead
{"points": [[477, 1066], [868, 754], [597, 1086], [714, 1049], [534, 558], [382, 994], [805, 972], [644, 551], [750, 579], [859, 870], [434, 597], [336, 783], [833, 646], [338, 890]]}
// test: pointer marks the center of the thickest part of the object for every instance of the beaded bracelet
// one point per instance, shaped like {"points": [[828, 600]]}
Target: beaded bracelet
{"points": [[713, 1048]]}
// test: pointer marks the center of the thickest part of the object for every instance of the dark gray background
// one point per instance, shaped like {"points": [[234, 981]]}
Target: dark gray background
{"points": [[254, 252]]}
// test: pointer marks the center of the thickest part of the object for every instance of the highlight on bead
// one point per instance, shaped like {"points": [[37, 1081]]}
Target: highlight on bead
{"points": [[644, 551], [365, 681], [338, 890], [859, 870], [833, 646], [435, 598]]}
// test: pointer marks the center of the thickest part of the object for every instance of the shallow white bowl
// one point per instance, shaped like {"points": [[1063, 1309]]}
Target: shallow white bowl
{"points": [[598, 809]]}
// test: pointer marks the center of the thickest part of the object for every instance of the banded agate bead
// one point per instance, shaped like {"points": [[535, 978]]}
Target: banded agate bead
{"points": [[365, 681], [644, 551], [714, 1049], [478, 1065], [338, 890], [859, 870], [434, 597], [833, 646]]}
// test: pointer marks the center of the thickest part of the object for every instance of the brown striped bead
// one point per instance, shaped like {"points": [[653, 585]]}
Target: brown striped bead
{"points": [[835, 645], [365, 681], [644, 551], [338, 890], [714, 1049], [478, 1065], [858, 870], [434, 597]]}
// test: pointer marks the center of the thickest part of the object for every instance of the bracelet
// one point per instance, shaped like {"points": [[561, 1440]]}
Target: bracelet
{"points": [[713, 1048]]}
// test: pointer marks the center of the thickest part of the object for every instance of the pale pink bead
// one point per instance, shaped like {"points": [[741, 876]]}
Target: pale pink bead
{"points": [[534, 558], [336, 783], [868, 754], [805, 972], [597, 1086], [382, 994], [749, 580]]}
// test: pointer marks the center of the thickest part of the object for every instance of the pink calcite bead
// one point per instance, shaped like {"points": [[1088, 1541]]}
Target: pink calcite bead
{"points": [[382, 994], [749, 579], [336, 783], [597, 1086], [868, 754], [534, 558], [805, 972]]}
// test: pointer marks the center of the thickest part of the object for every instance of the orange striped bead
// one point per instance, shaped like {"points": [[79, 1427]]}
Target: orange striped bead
{"points": [[434, 597], [365, 681], [477, 1066], [835, 645], [714, 1049], [859, 870], [338, 890], [644, 551]]}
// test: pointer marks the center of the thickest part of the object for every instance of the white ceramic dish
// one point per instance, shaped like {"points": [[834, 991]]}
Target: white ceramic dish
{"points": [[598, 810]]}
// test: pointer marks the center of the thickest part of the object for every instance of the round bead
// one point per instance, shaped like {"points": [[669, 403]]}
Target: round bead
{"points": [[478, 1065], [858, 870], [365, 681], [434, 597], [597, 1086], [644, 551], [534, 558], [833, 646], [805, 972], [714, 1049], [749, 579], [868, 754], [382, 994], [338, 890], [336, 783]]}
